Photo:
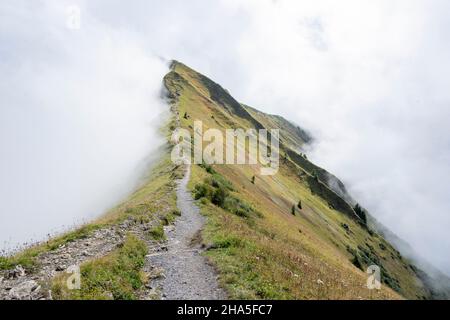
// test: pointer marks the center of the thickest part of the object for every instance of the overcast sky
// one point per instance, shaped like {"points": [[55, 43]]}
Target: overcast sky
{"points": [[367, 78]]}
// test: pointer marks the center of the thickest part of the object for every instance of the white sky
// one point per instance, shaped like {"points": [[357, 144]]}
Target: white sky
{"points": [[367, 78]]}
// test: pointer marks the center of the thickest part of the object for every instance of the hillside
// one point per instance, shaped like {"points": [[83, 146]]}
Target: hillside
{"points": [[322, 251]]}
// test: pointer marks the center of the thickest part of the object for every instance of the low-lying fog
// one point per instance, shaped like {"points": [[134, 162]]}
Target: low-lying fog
{"points": [[78, 119]]}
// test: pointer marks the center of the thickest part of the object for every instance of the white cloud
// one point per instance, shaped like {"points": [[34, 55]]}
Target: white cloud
{"points": [[77, 118]]}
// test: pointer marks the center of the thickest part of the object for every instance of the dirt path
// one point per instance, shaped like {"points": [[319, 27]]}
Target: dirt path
{"points": [[186, 273]]}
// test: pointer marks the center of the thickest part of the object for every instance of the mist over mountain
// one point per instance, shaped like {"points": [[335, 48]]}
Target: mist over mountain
{"points": [[78, 119], [367, 79]]}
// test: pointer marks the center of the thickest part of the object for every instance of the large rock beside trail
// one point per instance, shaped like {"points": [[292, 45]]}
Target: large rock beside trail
{"points": [[17, 272], [25, 290]]}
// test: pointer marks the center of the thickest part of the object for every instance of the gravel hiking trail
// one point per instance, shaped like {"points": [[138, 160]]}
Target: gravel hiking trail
{"points": [[185, 273]]}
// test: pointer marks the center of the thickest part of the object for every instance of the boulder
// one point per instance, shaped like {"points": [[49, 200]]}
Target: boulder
{"points": [[17, 272], [24, 290]]}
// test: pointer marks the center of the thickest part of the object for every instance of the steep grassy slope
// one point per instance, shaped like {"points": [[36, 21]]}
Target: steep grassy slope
{"points": [[292, 136], [263, 250]]}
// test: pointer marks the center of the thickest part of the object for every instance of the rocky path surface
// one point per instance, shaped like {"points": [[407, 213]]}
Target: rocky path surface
{"points": [[183, 272]]}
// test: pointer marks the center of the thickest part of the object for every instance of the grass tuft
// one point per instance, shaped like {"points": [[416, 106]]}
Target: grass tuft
{"points": [[157, 233]]}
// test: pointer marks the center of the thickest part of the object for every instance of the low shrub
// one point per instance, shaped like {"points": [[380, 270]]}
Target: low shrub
{"points": [[157, 233], [202, 190], [218, 191]]}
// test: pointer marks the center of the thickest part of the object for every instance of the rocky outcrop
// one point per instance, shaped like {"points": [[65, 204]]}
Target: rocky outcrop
{"points": [[21, 284]]}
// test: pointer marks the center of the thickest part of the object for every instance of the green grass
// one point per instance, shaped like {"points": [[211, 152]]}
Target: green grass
{"points": [[219, 191], [26, 259], [257, 261], [157, 233], [115, 276]]}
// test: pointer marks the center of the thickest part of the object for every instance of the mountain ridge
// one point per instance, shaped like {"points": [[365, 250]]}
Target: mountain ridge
{"points": [[295, 235], [319, 181]]}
